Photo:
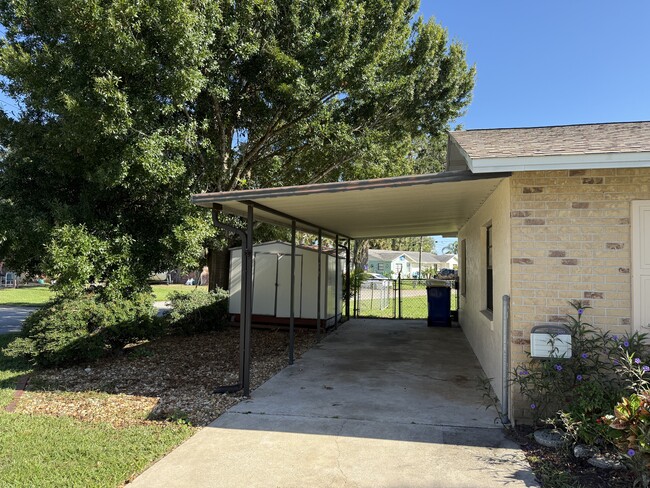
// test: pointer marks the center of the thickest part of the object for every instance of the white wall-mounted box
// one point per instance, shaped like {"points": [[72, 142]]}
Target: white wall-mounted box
{"points": [[550, 341]]}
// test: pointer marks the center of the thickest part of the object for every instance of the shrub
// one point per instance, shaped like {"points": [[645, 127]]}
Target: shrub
{"points": [[72, 330], [599, 396], [577, 391], [197, 311]]}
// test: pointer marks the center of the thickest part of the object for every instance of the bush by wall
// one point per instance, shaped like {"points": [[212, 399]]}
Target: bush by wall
{"points": [[600, 396]]}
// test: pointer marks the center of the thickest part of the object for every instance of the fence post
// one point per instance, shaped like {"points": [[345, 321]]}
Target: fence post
{"points": [[399, 295]]}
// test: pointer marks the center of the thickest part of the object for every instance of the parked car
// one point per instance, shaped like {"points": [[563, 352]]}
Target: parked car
{"points": [[376, 281], [447, 274]]}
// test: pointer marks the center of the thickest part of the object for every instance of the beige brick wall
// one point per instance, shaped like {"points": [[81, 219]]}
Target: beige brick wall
{"points": [[570, 235]]}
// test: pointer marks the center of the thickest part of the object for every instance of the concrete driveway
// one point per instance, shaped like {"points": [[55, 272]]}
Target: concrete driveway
{"points": [[378, 403]]}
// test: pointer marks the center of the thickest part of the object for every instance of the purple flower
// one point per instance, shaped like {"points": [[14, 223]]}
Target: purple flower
{"points": [[579, 377], [646, 368], [533, 406], [616, 363], [637, 361], [584, 355], [523, 372], [558, 367], [626, 344], [615, 337], [581, 311], [631, 452]]}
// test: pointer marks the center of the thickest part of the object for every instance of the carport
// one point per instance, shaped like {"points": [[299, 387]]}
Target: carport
{"points": [[388, 207]]}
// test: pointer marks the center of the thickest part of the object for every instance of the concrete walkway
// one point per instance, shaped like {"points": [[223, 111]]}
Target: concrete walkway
{"points": [[376, 404]]}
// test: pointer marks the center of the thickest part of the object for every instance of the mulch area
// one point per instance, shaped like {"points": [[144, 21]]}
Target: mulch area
{"points": [[582, 473], [172, 378]]}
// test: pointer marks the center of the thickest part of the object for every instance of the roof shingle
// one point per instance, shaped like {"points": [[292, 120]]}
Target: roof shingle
{"points": [[619, 137]]}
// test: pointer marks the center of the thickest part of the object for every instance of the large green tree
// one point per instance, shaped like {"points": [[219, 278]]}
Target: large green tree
{"points": [[131, 106], [96, 142]]}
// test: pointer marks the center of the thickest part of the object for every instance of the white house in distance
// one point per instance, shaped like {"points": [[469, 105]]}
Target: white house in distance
{"points": [[543, 215], [392, 263]]}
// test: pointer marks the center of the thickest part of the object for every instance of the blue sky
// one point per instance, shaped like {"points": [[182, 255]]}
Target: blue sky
{"points": [[552, 62]]}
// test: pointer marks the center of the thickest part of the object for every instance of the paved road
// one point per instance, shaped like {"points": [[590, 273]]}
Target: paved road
{"points": [[11, 318], [377, 404]]}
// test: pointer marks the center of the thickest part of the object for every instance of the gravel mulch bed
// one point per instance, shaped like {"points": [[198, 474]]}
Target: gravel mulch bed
{"points": [[547, 463], [169, 379]]}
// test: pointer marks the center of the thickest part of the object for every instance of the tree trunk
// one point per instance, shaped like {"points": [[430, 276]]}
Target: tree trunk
{"points": [[360, 257], [219, 268]]}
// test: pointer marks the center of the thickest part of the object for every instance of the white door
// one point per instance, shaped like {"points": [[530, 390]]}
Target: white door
{"points": [[265, 272], [284, 286], [641, 265]]}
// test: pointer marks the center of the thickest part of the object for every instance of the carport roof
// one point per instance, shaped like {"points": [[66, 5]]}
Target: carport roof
{"points": [[387, 207]]}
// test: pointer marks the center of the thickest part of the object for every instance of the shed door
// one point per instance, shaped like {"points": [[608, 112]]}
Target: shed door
{"points": [[284, 286], [641, 264], [265, 272]]}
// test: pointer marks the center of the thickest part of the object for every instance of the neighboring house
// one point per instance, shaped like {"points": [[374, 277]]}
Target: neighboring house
{"points": [[543, 216], [449, 261], [391, 263]]}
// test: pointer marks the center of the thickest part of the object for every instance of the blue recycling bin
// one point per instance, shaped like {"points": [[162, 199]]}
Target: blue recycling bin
{"points": [[439, 303]]}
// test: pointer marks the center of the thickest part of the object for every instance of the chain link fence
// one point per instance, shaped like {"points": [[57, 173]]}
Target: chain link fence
{"points": [[392, 299]]}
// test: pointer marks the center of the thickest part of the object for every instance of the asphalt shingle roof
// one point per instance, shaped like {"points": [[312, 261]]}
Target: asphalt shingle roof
{"points": [[620, 137], [427, 257]]}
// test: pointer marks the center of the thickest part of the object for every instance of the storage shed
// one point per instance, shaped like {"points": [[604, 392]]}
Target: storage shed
{"points": [[272, 284]]}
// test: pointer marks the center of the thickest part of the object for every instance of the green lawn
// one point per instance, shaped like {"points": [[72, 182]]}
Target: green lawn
{"points": [[59, 451], [28, 296], [36, 296], [162, 292], [412, 308]]}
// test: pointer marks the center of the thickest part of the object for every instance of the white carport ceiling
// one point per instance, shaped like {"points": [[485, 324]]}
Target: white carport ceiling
{"points": [[387, 207]]}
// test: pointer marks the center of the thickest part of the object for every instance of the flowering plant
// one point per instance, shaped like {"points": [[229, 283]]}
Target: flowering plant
{"points": [[632, 418], [576, 392]]}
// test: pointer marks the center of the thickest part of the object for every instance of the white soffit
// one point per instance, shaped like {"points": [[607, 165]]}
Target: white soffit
{"points": [[387, 207]]}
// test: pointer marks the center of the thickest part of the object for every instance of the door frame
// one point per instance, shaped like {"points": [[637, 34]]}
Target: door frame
{"points": [[635, 251]]}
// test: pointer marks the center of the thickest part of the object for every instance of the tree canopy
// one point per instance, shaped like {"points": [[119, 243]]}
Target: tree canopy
{"points": [[129, 107], [404, 244]]}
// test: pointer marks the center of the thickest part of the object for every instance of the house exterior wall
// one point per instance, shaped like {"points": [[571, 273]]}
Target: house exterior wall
{"points": [[377, 266], [571, 241], [484, 332]]}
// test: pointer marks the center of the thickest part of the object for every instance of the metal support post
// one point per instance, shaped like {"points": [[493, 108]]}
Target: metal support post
{"points": [[319, 288], [336, 281], [355, 303], [243, 307], [506, 360], [292, 300], [249, 302], [399, 294], [347, 280]]}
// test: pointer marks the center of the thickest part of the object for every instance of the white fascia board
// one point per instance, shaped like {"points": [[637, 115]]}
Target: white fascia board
{"points": [[575, 161]]}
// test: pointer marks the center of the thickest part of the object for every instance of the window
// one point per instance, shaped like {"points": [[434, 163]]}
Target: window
{"points": [[489, 284]]}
